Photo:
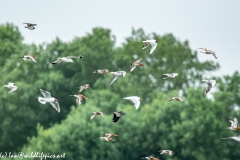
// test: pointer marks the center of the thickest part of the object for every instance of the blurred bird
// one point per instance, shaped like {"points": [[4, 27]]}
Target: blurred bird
{"points": [[116, 75], [84, 87], [149, 158], [234, 124], [48, 98], [96, 113], [116, 115], [106, 139], [234, 138], [210, 83], [30, 26], [110, 135], [28, 57], [135, 64], [169, 152], [176, 99], [207, 51], [103, 71], [170, 75], [153, 43], [11, 86], [135, 100], [66, 59], [79, 98]]}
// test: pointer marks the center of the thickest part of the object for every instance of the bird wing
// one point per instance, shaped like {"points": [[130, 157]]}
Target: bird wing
{"points": [[208, 88], [94, 114], [145, 45], [121, 113], [215, 55], [31, 58], [73, 57], [78, 101], [55, 105], [213, 82], [235, 123], [136, 101], [102, 114], [115, 118], [46, 94], [80, 89], [123, 73], [132, 68], [12, 88], [138, 61], [114, 78], [154, 45], [57, 61]]}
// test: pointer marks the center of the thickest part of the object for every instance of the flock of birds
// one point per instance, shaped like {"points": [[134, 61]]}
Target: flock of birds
{"points": [[47, 98]]}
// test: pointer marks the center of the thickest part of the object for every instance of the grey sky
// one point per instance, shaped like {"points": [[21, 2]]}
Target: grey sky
{"points": [[213, 24]]}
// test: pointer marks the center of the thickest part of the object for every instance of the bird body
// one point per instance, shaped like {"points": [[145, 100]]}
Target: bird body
{"points": [[47, 98], [176, 99], [79, 98], [66, 59], [101, 71], [147, 43], [11, 86], [28, 57], [170, 75], [96, 113], [135, 100], [30, 26], [116, 75], [116, 115], [210, 83], [207, 51], [84, 87], [169, 152]]}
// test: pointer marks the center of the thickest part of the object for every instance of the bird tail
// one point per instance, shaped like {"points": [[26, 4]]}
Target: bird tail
{"points": [[41, 100]]}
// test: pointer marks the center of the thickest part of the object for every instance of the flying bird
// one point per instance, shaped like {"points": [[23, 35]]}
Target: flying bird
{"points": [[169, 152], [170, 75], [106, 139], [135, 100], [234, 124], [28, 57], [135, 64], [210, 83], [153, 43], [116, 115], [96, 113], [84, 87], [207, 51], [110, 135], [11, 86], [66, 59], [48, 98], [79, 98], [149, 158], [176, 99], [116, 75], [234, 138], [101, 71], [30, 26]]}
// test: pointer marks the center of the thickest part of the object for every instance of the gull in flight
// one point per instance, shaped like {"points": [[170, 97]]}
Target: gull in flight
{"points": [[170, 75], [153, 43], [106, 139], [169, 152], [110, 135], [116, 75], [66, 59], [30, 26], [102, 71], [135, 64], [28, 57], [11, 86], [234, 124], [207, 51], [210, 83], [234, 138], [84, 87], [116, 115], [48, 98], [135, 100], [176, 99], [79, 98], [149, 158], [96, 113]]}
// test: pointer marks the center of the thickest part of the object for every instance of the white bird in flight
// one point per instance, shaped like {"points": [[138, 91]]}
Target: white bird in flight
{"points": [[169, 152], [176, 99], [101, 71], [66, 59], [116, 75], [28, 57], [210, 83], [11, 86], [170, 75], [153, 44], [96, 113], [207, 51], [236, 138], [48, 98], [30, 26], [234, 124], [79, 98], [135, 100], [135, 64], [84, 87]]}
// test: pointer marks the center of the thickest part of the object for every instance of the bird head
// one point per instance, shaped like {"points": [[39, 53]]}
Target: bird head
{"points": [[156, 41], [81, 56]]}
